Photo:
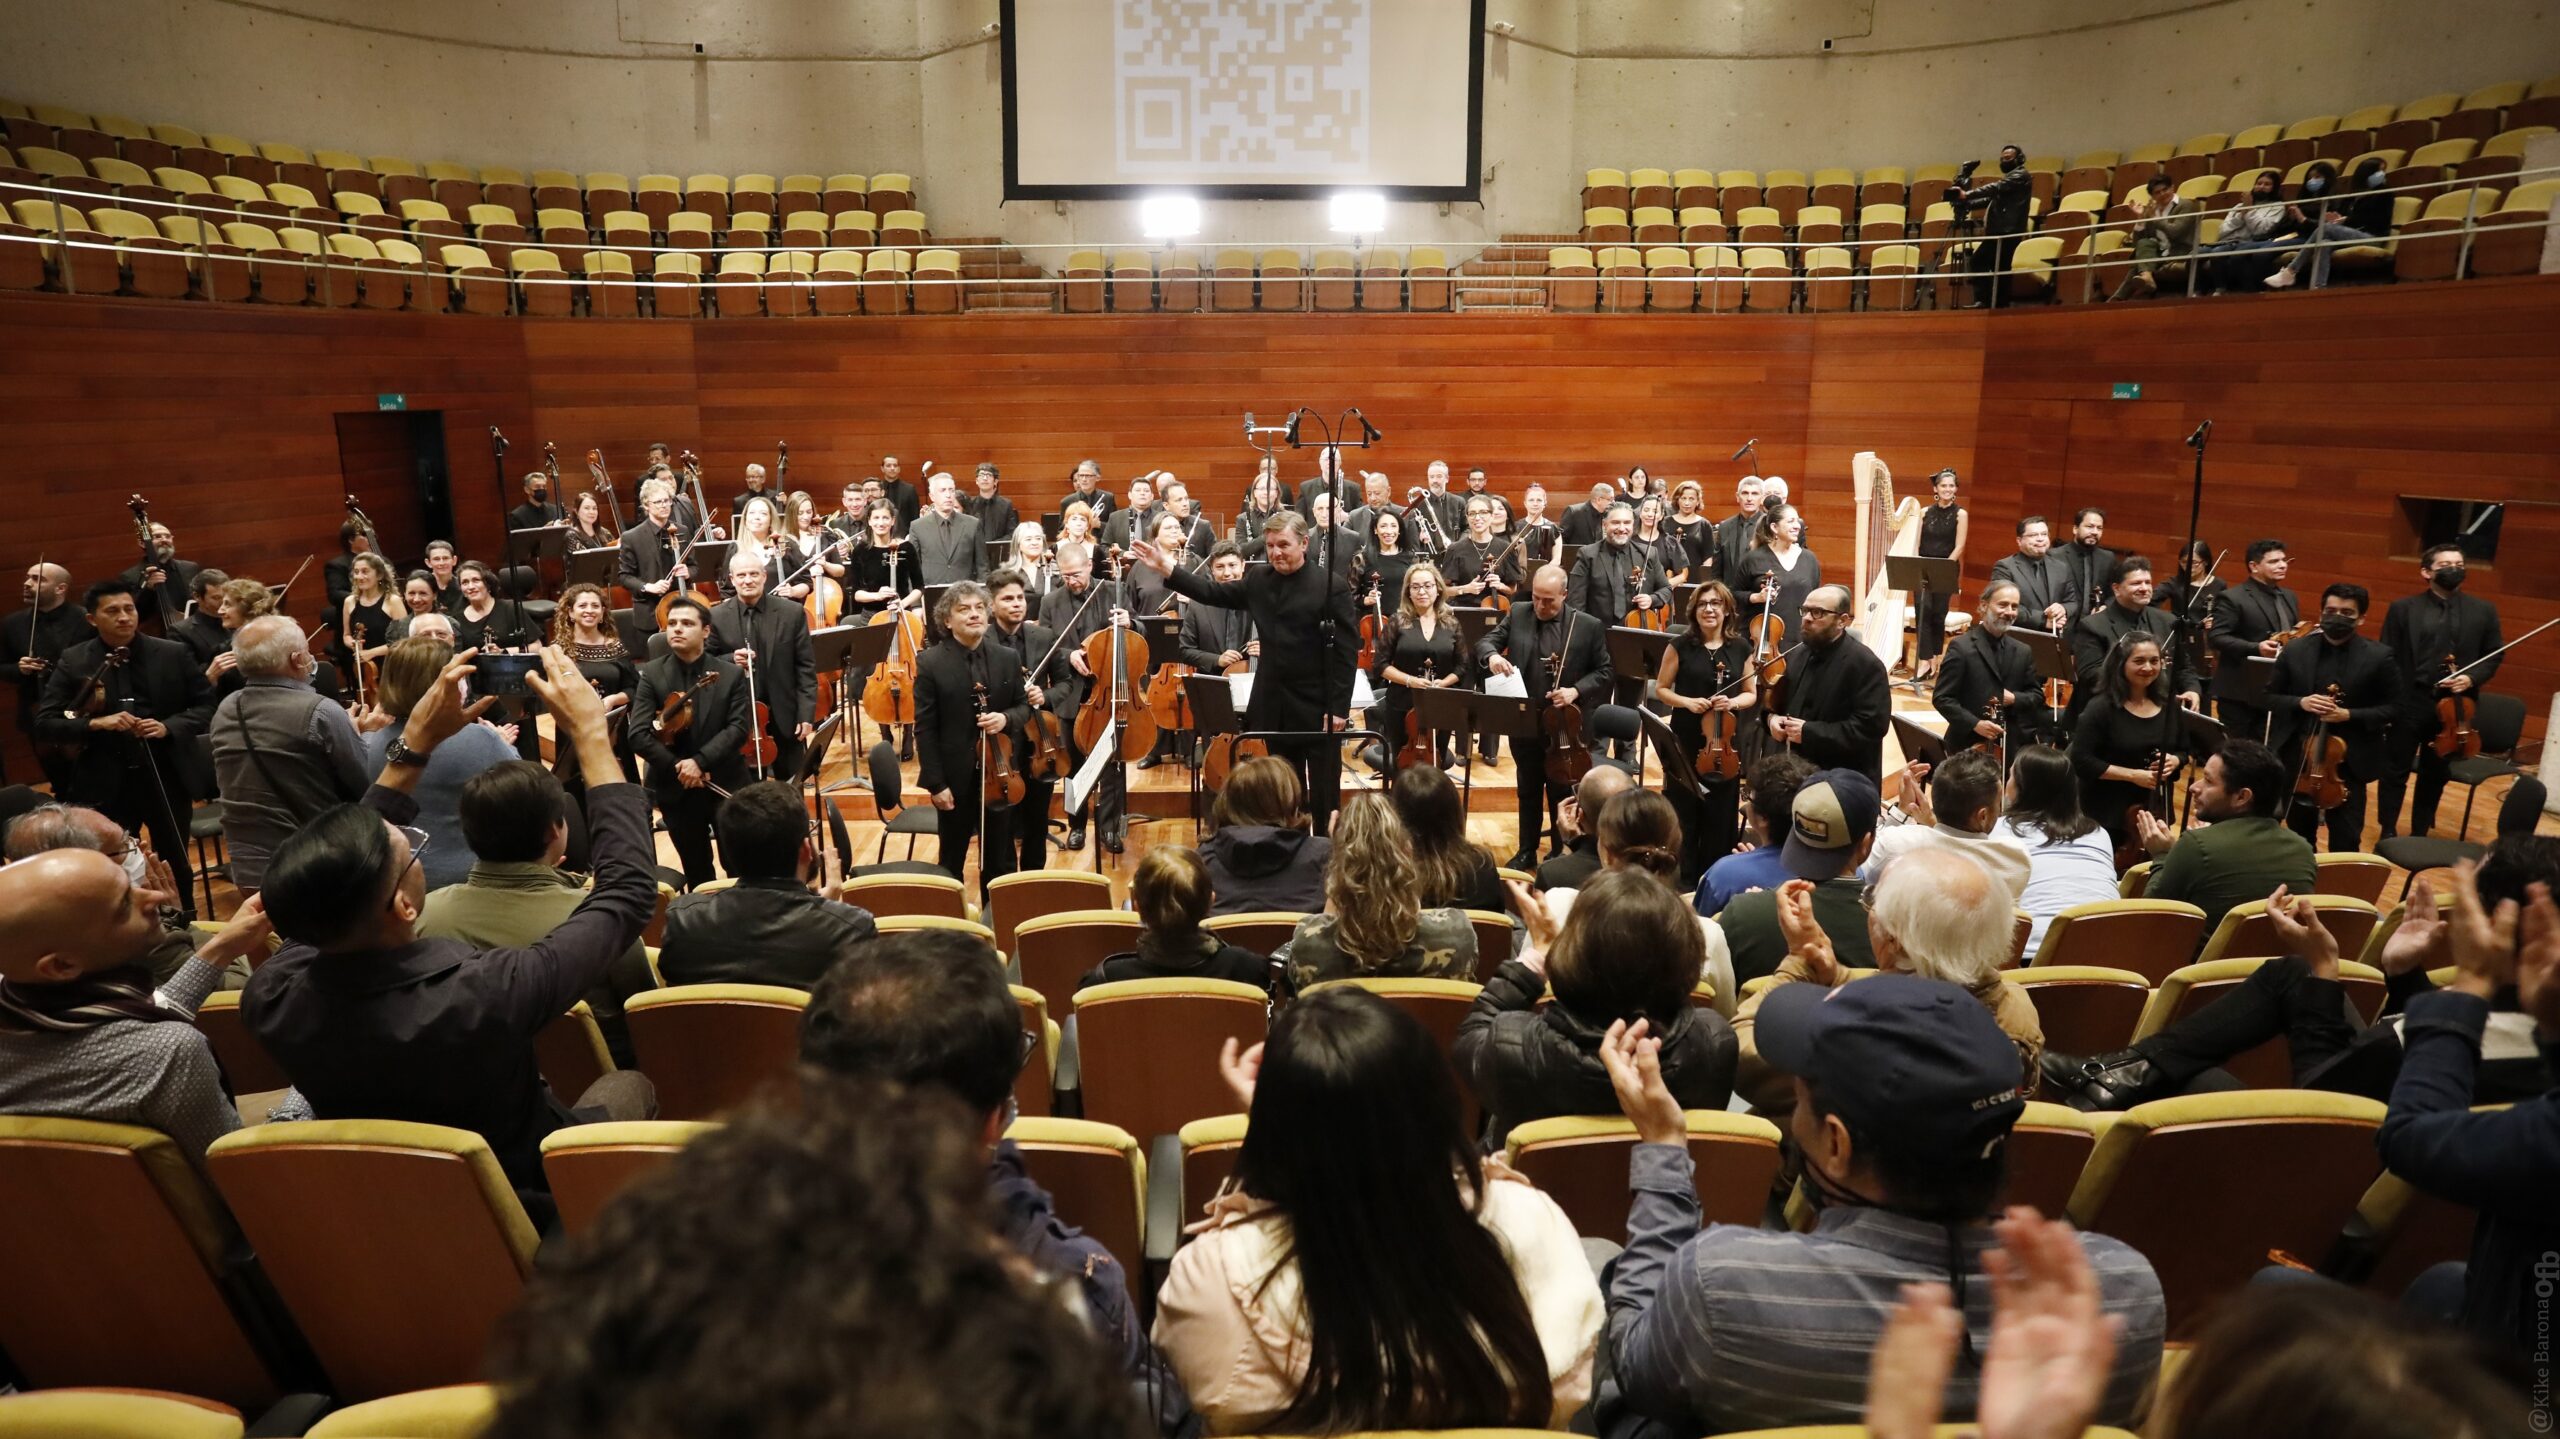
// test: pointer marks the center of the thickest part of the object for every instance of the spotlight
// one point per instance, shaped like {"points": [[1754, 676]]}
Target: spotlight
{"points": [[1169, 217], [1359, 212]]}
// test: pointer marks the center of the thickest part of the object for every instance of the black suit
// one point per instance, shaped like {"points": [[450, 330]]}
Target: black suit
{"points": [[1582, 524], [1064, 613], [1733, 545], [43, 635], [2096, 634], [168, 599], [948, 680], [138, 783], [1845, 698], [2368, 684], [1035, 647], [647, 554], [1347, 493], [902, 495], [721, 716], [1298, 685], [2246, 615], [1602, 584], [996, 516], [2042, 583], [785, 672], [1977, 667], [1528, 643], [1101, 501], [1447, 524], [2421, 630], [2088, 570]]}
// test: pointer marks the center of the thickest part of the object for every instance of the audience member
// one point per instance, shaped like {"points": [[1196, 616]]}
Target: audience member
{"points": [[1579, 855], [1638, 830], [1959, 810], [790, 1277], [2069, 859], [2241, 852], [50, 826], [929, 1010], [2359, 213], [2304, 1362], [372, 1021], [84, 1034], [1259, 852], [1366, 1270], [516, 818], [2253, 234], [2164, 228], [409, 674], [281, 753], [2501, 1163], [769, 927], [1937, 914], [1830, 828], [1905, 1095], [1761, 862], [1454, 870], [1627, 950], [1170, 892], [1374, 922]]}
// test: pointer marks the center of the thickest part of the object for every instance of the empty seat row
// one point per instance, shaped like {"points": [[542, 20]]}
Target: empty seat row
{"points": [[1379, 278]]}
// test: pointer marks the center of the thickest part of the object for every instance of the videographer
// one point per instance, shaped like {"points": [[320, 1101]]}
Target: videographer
{"points": [[2004, 218]]}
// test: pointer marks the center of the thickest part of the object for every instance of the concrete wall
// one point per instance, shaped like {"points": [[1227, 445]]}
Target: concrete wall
{"points": [[913, 85]]}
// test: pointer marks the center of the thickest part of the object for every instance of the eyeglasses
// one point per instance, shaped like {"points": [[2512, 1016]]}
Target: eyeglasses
{"points": [[1030, 1043], [1815, 610], [417, 849]]}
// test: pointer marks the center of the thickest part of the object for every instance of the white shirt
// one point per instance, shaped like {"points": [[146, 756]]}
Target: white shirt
{"points": [[2003, 856], [2061, 873]]}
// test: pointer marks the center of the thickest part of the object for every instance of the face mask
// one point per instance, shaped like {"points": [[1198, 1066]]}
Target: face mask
{"points": [[135, 868], [2374, 180], [2007, 165], [2337, 627], [2314, 185], [2448, 580]]}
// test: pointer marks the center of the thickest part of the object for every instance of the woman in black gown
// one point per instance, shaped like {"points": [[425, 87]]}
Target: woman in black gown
{"points": [[1942, 536], [1706, 672], [1693, 527], [2131, 739], [1780, 562], [1421, 648], [1389, 556], [368, 614], [583, 629]]}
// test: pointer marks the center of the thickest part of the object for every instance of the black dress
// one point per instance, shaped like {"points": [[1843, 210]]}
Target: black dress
{"points": [[1697, 540], [1413, 653], [609, 669], [1793, 586], [373, 619], [868, 569], [1937, 541], [1708, 832], [2108, 735], [1390, 570]]}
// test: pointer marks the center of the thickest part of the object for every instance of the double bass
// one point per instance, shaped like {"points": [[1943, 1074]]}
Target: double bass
{"points": [[603, 484], [889, 695]]}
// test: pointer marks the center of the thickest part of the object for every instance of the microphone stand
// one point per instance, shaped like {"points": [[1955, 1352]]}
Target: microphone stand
{"points": [[498, 473]]}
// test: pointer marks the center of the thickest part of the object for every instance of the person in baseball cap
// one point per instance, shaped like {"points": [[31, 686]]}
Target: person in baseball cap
{"points": [[1835, 818], [1831, 830]]}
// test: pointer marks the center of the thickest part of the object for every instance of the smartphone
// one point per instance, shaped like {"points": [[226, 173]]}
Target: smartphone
{"points": [[503, 674]]}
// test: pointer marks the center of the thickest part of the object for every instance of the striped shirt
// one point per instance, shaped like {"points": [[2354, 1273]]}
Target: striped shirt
{"points": [[1733, 1328]]}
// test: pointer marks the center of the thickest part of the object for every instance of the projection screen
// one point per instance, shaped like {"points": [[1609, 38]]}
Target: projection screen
{"points": [[1242, 99]]}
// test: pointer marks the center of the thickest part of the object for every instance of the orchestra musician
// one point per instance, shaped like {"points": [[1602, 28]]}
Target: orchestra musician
{"points": [[587, 528], [1527, 642], [2367, 683], [2128, 611], [1329, 479], [2046, 599], [2191, 597], [684, 765], [1838, 699], [162, 582], [1388, 557], [994, 513], [1420, 648], [140, 714], [1177, 502], [202, 631], [948, 548], [899, 493], [1663, 553], [1031, 560], [1033, 644], [2425, 631], [1085, 482], [1445, 513], [1150, 595], [1943, 531], [647, 564], [1618, 575], [1583, 523], [967, 686], [1988, 663], [1262, 500], [1706, 670], [1216, 639], [761, 536], [2089, 562], [372, 607], [486, 623], [882, 567], [1136, 519], [1778, 550], [1476, 486], [2131, 739], [1737, 533], [2246, 623], [234, 603], [755, 480], [353, 540], [849, 522], [1481, 567], [1377, 497], [767, 637], [32, 638], [1331, 539], [540, 506], [1542, 535], [1690, 526], [1066, 614], [582, 628], [1304, 686]]}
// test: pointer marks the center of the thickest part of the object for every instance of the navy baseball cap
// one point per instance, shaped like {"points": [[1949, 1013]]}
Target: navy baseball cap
{"points": [[1919, 1060], [1834, 810]]}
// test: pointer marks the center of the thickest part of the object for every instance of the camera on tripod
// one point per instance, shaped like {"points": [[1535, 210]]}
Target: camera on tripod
{"points": [[1954, 194]]}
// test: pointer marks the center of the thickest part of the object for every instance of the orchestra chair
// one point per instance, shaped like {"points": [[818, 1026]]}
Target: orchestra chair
{"points": [[710, 1048], [588, 1164], [246, 1065], [1028, 894], [2353, 874], [398, 1247], [1261, 930], [2207, 1186], [117, 1414], [1581, 1162], [2519, 813], [2246, 932], [1035, 1088], [888, 894], [2049, 1149], [1147, 1049], [2148, 936], [1209, 1150], [1494, 938], [456, 1411], [1053, 951], [571, 1052], [1097, 1174]]}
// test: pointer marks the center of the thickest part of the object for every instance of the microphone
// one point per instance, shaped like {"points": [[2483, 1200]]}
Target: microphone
{"points": [[2196, 440], [1369, 433], [498, 440], [1248, 422], [1746, 449], [1289, 431]]}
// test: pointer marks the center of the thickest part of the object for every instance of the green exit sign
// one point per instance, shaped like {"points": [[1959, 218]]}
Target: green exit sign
{"points": [[2128, 389], [401, 402]]}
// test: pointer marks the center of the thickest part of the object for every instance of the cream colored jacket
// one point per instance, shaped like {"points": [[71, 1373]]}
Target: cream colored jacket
{"points": [[1240, 1346]]}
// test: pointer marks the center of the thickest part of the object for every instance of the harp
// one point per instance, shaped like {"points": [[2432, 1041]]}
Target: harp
{"points": [[1885, 526]]}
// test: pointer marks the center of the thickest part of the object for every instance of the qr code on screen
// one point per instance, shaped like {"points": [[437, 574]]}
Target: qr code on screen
{"points": [[1242, 86]]}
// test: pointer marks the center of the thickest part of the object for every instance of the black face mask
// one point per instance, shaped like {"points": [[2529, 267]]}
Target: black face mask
{"points": [[2008, 164], [2447, 580], [2337, 627]]}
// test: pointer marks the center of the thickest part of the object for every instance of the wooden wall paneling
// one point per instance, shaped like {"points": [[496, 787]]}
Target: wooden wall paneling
{"points": [[616, 386]]}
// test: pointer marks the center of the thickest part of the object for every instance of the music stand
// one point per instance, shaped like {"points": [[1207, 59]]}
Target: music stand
{"points": [[1474, 623], [1213, 712], [1924, 575], [995, 554], [1442, 712], [1565, 556], [528, 548], [1163, 634], [593, 567], [1635, 657], [2249, 687], [1684, 598], [710, 558], [865, 646], [1919, 745], [2053, 656], [1679, 766]]}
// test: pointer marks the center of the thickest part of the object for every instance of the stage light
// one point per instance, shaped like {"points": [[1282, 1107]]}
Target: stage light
{"points": [[1169, 217], [1359, 212]]}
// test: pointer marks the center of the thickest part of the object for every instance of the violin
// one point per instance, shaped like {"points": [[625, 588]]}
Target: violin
{"points": [[1372, 625], [889, 695], [365, 670], [2303, 630], [2207, 660], [1568, 759], [88, 704], [2132, 852], [2322, 753], [1118, 660], [1719, 754], [2456, 713], [1643, 617], [676, 716], [1996, 710], [1768, 632], [760, 748], [1417, 747], [1001, 785]]}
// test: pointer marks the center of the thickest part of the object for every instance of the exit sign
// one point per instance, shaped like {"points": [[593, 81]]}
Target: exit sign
{"points": [[401, 402], [2128, 390]]}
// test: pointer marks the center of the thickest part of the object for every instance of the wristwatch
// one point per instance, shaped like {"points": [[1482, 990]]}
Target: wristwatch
{"points": [[399, 753]]}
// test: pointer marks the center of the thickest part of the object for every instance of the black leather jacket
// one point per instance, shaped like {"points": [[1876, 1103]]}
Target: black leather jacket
{"points": [[763, 931], [1524, 1063]]}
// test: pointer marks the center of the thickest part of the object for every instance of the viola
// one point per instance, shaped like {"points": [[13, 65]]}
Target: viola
{"points": [[2456, 713], [1118, 660], [1001, 785], [889, 695], [2132, 852], [2207, 660], [2322, 753], [1644, 617], [1719, 753], [367, 670], [1372, 625], [88, 704], [1417, 747], [1568, 759], [760, 749], [1768, 635], [676, 716]]}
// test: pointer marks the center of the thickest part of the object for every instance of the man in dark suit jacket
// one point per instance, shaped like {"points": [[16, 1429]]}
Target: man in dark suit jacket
{"points": [[2245, 624], [131, 767], [1214, 637], [163, 583], [2129, 610], [1526, 642], [705, 752], [1604, 574], [2087, 559], [948, 547], [768, 638], [2443, 639], [1085, 485], [1042, 660], [899, 493], [1075, 612], [1838, 698], [769, 928], [994, 513], [1305, 685], [1135, 520], [2367, 681], [1329, 468], [1985, 663], [1583, 523], [2046, 598], [647, 558], [1734, 532], [967, 686]]}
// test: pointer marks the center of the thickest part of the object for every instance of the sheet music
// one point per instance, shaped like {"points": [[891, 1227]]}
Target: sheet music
{"points": [[1105, 753], [1509, 687]]}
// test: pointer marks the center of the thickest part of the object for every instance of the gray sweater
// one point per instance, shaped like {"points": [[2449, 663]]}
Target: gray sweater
{"points": [[282, 755]]}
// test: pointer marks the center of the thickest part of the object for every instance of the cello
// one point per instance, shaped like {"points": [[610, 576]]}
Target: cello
{"points": [[889, 695], [1568, 759], [1118, 660]]}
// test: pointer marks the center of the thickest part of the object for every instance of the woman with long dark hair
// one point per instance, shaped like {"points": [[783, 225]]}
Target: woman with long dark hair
{"points": [[1454, 869], [2130, 739], [1706, 673], [1366, 1271], [2069, 860], [1780, 560], [1420, 649]]}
